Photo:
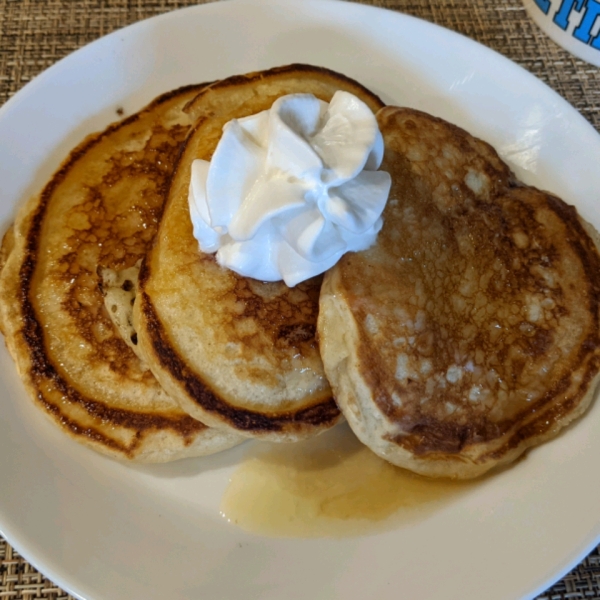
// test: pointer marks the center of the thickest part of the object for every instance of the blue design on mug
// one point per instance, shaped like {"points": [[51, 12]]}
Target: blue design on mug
{"points": [[589, 11], [544, 5], [561, 18]]}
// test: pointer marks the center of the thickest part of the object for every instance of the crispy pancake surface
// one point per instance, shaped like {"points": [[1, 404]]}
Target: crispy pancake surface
{"points": [[100, 209], [235, 352], [470, 331]]}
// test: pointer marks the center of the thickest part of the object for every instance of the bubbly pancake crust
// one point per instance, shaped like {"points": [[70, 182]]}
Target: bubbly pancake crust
{"points": [[100, 208], [322, 413], [235, 352], [472, 326]]}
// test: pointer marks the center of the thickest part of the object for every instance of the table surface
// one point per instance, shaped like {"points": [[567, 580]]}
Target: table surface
{"points": [[34, 34]]}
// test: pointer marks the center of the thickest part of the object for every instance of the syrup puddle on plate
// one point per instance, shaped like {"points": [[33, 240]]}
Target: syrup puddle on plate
{"points": [[328, 486]]}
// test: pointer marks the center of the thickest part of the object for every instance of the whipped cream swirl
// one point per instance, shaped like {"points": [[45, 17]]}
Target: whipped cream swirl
{"points": [[291, 189]]}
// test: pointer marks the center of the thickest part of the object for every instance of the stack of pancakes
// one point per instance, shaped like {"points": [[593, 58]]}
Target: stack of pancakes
{"points": [[468, 333]]}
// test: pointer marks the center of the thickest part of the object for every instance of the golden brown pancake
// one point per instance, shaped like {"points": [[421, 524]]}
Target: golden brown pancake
{"points": [[100, 209], [470, 331], [235, 352]]}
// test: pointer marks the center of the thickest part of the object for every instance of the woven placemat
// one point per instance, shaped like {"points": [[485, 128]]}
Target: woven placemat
{"points": [[34, 34]]}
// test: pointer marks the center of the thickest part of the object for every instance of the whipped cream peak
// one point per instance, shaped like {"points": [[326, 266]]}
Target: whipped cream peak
{"points": [[291, 189]]}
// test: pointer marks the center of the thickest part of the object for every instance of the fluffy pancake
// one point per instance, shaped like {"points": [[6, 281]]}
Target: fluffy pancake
{"points": [[100, 209], [470, 331], [236, 352]]}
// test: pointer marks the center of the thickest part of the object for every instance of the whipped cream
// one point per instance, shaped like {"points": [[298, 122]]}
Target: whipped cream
{"points": [[291, 189]]}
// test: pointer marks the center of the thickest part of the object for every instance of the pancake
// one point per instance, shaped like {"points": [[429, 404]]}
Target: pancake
{"points": [[470, 331], [235, 352], [100, 210]]}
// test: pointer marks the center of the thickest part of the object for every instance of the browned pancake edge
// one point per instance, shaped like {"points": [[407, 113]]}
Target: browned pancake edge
{"points": [[322, 412], [535, 240], [295, 70], [50, 389]]}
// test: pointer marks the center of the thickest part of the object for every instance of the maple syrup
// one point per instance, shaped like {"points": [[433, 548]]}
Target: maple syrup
{"points": [[328, 486]]}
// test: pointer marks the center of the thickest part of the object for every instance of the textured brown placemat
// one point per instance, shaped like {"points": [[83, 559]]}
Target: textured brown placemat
{"points": [[34, 34]]}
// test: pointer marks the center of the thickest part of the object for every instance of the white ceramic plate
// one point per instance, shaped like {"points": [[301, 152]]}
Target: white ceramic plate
{"points": [[105, 530]]}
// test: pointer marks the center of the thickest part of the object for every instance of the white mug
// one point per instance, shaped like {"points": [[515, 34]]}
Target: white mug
{"points": [[573, 24]]}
